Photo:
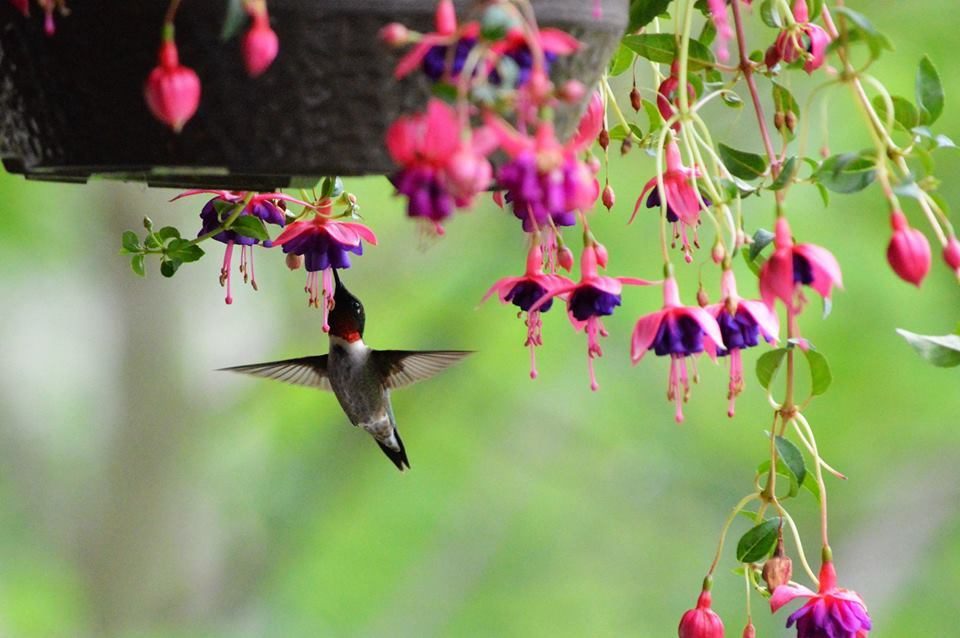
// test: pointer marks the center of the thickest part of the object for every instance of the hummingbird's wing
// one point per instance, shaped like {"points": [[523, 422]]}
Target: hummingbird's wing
{"points": [[308, 371], [401, 368]]}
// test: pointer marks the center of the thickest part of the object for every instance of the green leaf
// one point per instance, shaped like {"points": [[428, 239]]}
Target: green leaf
{"points": [[234, 19], [787, 172], [167, 233], [136, 264], [152, 242], [847, 173], [758, 542], [864, 30], [761, 239], [250, 226], [169, 268], [742, 164], [770, 15], [643, 12], [662, 48], [905, 114], [621, 61], [820, 375], [620, 133], [129, 242], [731, 99], [943, 352], [653, 115], [764, 469], [445, 91], [792, 458], [768, 364], [182, 250], [929, 92], [494, 23]]}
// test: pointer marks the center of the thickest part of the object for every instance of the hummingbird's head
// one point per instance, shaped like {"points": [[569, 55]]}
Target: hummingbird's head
{"points": [[347, 317]]}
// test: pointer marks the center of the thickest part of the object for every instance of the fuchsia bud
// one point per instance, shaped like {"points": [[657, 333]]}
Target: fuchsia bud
{"points": [[702, 621], [172, 90], [609, 197], [908, 251], [395, 34], [749, 631], [602, 256], [951, 254], [260, 45], [572, 91], [294, 262], [565, 258], [446, 18]]}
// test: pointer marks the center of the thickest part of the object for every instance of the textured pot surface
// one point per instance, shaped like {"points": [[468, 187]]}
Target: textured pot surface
{"points": [[72, 106]]}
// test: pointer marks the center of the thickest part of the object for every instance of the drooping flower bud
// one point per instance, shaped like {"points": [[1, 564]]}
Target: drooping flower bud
{"points": [[446, 17], [604, 138], [778, 569], [572, 91], [602, 256], [951, 254], [565, 257], [702, 621], [294, 262], [609, 197], [260, 45], [635, 100], [749, 631], [172, 91], [908, 251]]}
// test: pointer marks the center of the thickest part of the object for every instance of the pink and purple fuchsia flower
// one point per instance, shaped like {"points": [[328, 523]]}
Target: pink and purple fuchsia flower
{"points": [[679, 332], [831, 612], [523, 292], [325, 244], [801, 40], [682, 200], [701, 621], [593, 297], [794, 265], [742, 323], [441, 168]]}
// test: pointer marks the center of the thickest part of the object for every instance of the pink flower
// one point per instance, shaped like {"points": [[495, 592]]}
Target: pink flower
{"points": [[718, 13], [908, 252], [742, 322], [440, 168], [594, 296], [523, 292], [172, 90], [667, 99], [800, 40], [831, 612], [682, 199], [324, 243], [260, 45], [546, 181], [680, 332], [791, 265], [701, 621]]}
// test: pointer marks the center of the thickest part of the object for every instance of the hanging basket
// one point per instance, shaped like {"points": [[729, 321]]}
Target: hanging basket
{"points": [[72, 107]]}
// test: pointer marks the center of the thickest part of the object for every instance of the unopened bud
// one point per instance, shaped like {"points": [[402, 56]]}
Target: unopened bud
{"points": [[395, 34], [749, 631], [602, 254], [779, 120], [572, 91], [593, 164], [294, 262], [147, 223], [791, 121], [625, 146], [609, 198], [718, 253], [702, 299], [565, 257], [604, 138], [635, 100], [951, 254]]}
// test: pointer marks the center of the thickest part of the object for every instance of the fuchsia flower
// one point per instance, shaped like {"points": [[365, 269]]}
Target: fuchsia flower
{"points": [[546, 182], [268, 207], [680, 332], [951, 254], [801, 39], [908, 252], [682, 199], [742, 322], [667, 99], [791, 265], [324, 244], [260, 44], [441, 168], [523, 292], [172, 90], [701, 621], [718, 13], [831, 612], [594, 296]]}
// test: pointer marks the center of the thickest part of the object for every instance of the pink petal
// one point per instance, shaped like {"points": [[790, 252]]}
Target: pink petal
{"points": [[768, 320], [441, 136], [281, 196], [610, 285], [590, 125], [650, 184], [559, 42], [502, 287], [824, 267], [633, 281], [365, 233], [706, 321], [414, 57], [556, 292], [776, 278], [291, 231], [682, 198], [226, 195], [341, 233], [511, 141], [644, 333], [402, 139], [784, 594]]}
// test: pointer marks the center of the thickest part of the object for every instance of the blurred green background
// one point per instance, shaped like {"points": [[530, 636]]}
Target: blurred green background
{"points": [[143, 494]]}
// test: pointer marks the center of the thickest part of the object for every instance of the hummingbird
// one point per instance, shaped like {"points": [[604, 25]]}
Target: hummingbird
{"points": [[360, 377]]}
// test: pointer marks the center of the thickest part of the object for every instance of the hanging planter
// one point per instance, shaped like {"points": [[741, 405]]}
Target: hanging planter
{"points": [[73, 103]]}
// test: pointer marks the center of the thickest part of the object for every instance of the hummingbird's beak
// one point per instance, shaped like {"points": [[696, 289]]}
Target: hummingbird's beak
{"points": [[336, 278]]}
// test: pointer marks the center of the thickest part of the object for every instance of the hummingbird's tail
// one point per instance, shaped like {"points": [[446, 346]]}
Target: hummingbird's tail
{"points": [[393, 448]]}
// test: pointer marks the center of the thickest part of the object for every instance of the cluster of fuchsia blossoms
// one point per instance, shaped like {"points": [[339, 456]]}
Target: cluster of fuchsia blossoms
{"points": [[489, 131]]}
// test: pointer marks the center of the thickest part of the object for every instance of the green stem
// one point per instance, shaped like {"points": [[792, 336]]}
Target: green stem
{"points": [[726, 528]]}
